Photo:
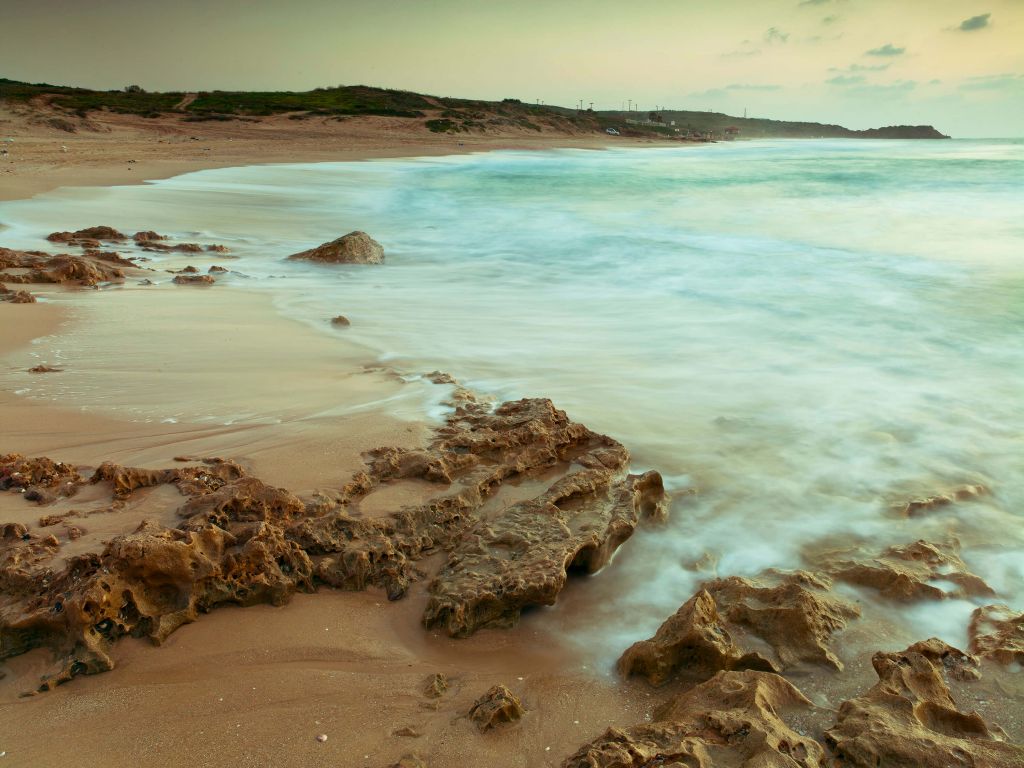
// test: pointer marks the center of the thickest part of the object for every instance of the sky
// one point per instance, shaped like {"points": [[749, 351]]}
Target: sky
{"points": [[955, 64]]}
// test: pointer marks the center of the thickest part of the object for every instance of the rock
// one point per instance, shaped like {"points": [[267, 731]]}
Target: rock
{"points": [[18, 472], [189, 270], [16, 297], [193, 280], [909, 572], [44, 369], [148, 236], [111, 257], [918, 507], [436, 686], [43, 268], [733, 719], [216, 270], [353, 248], [108, 234], [909, 718], [499, 705], [771, 625], [322, 738], [218, 249], [187, 248], [997, 633], [340, 321], [408, 732]]}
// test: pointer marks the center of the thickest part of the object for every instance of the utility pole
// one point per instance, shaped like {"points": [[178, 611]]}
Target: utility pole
{"points": [[630, 105]]}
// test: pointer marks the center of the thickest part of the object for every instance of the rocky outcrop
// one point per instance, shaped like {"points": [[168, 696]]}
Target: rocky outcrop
{"points": [[997, 633], [16, 297], [922, 506], [909, 718], [148, 236], [38, 267], [909, 572], [353, 248], [499, 705], [243, 542], [773, 624], [733, 719], [87, 237], [194, 280]]}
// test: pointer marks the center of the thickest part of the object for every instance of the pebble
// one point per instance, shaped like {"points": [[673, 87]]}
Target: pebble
{"points": [[322, 738]]}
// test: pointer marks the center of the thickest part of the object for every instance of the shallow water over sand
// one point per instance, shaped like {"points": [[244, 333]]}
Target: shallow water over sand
{"points": [[803, 332]]}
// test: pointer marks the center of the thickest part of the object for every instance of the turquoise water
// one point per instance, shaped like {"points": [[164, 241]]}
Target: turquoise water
{"points": [[804, 332]]}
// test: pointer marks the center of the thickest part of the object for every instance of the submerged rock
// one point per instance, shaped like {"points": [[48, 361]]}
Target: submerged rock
{"points": [[353, 248], [108, 234], [918, 507], [499, 705], [194, 280], [910, 572], [909, 718], [147, 236], [340, 321], [16, 297], [733, 719], [997, 633], [772, 624], [44, 369]]}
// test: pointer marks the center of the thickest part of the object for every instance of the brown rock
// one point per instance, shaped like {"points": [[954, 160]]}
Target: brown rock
{"points": [[907, 572], [43, 268], [918, 507], [216, 270], [353, 248], [193, 280], [499, 705], [187, 248], [189, 270], [733, 719], [147, 237], [44, 369], [909, 718], [18, 472], [16, 297], [91, 233], [997, 633], [340, 321], [770, 625], [436, 686], [218, 249]]}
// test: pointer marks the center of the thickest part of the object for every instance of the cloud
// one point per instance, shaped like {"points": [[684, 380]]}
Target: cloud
{"points": [[861, 68], [993, 82], [898, 88], [846, 80], [775, 35], [974, 23], [812, 2], [742, 53], [886, 50], [712, 93]]}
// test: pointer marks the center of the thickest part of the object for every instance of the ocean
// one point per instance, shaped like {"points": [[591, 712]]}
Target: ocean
{"points": [[798, 334]]}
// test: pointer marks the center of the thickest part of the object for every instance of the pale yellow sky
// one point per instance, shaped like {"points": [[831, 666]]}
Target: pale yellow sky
{"points": [[957, 64]]}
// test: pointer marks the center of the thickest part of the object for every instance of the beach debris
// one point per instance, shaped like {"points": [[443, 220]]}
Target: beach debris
{"points": [[917, 507], [436, 685], [340, 321], [499, 705], [909, 717], [354, 248], [908, 572], [997, 633], [735, 718], [772, 624], [193, 280]]}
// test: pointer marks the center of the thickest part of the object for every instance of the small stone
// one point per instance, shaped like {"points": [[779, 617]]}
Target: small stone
{"points": [[341, 321], [499, 705], [322, 738]]}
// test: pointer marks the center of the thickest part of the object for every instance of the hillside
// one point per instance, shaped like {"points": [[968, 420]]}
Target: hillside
{"points": [[71, 109]]}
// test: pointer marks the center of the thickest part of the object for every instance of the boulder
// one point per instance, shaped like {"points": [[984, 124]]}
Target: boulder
{"points": [[353, 248], [194, 280], [997, 633], [499, 705]]}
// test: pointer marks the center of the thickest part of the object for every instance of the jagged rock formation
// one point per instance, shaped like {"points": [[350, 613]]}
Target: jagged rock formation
{"points": [[907, 572], [194, 280], [909, 718], [499, 705], [997, 633], [39, 267], [148, 236], [353, 248], [16, 297], [733, 719], [918, 507], [88, 238], [736, 623], [243, 542]]}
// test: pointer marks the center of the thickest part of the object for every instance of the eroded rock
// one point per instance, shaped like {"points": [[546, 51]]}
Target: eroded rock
{"points": [[499, 705], [193, 280], [910, 572], [353, 248], [733, 719], [16, 297], [38, 267], [772, 624], [922, 506], [909, 718], [997, 633], [108, 234]]}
